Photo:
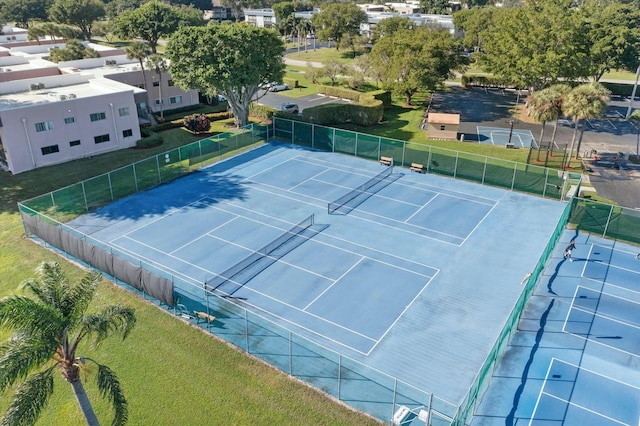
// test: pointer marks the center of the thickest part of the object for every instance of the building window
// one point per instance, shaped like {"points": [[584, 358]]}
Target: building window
{"points": [[123, 111], [74, 143], [97, 116], [158, 101], [101, 138], [51, 149], [175, 100], [0, 121], [170, 83], [44, 126], [156, 83], [140, 86], [442, 127], [127, 133], [69, 120]]}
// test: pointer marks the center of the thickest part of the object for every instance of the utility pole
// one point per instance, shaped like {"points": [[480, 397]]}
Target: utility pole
{"points": [[633, 93]]}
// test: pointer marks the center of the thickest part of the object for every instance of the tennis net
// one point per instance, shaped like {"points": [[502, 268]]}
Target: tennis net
{"points": [[357, 196], [245, 270]]}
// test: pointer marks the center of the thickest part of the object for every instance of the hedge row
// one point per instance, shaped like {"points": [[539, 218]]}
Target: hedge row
{"points": [[363, 114], [487, 81]]}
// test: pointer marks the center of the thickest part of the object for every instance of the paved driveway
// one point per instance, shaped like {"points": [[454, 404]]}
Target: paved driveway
{"points": [[276, 99]]}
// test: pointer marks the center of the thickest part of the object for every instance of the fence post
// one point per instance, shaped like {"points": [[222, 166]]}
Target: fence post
{"points": [[84, 194], [429, 160], [110, 185], [158, 168], [135, 176], [404, 151], [292, 132], [290, 354], [333, 140], [339, 375], [246, 330], [395, 390], [606, 227], [455, 167], [313, 135], [513, 178], [484, 170]]}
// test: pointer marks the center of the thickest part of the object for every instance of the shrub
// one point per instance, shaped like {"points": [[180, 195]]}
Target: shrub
{"points": [[291, 82], [149, 142], [197, 123], [262, 111]]}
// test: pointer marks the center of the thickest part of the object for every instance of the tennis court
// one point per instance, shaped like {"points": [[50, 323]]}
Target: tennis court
{"points": [[520, 138], [383, 287], [581, 366]]}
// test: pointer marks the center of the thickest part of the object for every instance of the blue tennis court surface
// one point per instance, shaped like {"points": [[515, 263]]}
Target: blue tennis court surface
{"points": [[574, 360], [502, 136], [416, 280]]}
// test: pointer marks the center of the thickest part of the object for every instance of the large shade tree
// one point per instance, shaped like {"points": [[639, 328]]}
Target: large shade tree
{"points": [[613, 36], [534, 45], [582, 103], [151, 22], [411, 60], [79, 13], [338, 20], [24, 12], [231, 60], [47, 331]]}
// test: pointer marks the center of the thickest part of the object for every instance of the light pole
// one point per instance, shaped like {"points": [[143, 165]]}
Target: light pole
{"points": [[633, 93]]}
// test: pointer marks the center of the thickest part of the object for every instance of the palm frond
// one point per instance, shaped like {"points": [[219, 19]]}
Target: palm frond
{"points": [[113, 319], [30, 398], [50, 286], [81, 295], [21, 354], [109, 387], [22, 313]]}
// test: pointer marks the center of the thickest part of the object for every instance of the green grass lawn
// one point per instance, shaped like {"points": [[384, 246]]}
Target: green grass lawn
{"points": [[324, 55], [172, 373]]}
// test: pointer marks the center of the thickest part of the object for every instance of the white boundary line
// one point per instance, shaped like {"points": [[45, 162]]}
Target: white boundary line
{"points": [[579, 368]]}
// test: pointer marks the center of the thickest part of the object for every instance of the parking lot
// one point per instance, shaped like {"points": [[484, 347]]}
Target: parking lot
{"points": [[276, 99], [607, 136]]}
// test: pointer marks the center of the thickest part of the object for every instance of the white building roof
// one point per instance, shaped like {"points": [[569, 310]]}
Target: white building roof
{"points": [[78, 87]]}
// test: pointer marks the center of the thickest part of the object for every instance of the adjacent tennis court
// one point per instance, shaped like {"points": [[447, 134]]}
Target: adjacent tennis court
{"points": [[397, 284], [504, 136], [575, 364]]}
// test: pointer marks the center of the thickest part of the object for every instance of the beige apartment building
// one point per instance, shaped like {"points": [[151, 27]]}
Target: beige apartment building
{"points": [[53, 113]]}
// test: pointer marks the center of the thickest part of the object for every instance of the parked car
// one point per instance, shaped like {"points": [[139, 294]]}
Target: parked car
{"points": [[289, 107], [311, 36], [278, 87]]}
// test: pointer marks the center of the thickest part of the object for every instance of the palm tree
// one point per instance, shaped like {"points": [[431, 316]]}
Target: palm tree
{"points": [[140, 51], [582, 103], [158, 64], [635, 119], [547, 105], [46, 332]]}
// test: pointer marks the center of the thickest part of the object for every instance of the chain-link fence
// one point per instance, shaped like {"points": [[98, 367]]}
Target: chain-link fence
{"points": [[69, 202], [344, 378], [531, 179]]}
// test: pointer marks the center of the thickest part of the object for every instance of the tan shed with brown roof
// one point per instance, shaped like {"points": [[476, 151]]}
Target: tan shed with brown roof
{"points": [[443, 126]]}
